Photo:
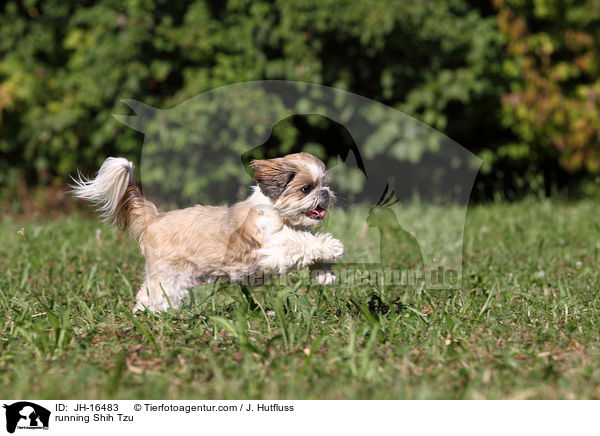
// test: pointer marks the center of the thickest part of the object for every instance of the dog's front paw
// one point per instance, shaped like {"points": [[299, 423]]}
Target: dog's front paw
{"points": [[332, 249], [323, 277]]}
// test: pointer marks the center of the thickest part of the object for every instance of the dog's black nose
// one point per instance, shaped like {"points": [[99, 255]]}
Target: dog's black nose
{"points": [[324, 195]]}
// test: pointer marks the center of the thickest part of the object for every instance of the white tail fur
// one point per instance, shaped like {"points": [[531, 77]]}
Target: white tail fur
{"points": [[116, 197], [105, 191]]}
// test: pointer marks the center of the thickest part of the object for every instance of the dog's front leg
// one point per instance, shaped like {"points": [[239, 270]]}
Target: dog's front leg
{"points": [[291, 249], [322, 273]]}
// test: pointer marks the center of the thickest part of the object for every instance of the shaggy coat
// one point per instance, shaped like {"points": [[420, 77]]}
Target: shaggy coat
{"points": [[268, 233]]}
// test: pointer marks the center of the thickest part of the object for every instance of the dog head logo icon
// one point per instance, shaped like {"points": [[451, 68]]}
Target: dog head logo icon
{"points": [[26, 415]]}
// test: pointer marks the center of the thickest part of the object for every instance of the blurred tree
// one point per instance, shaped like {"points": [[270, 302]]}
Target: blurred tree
{"points": [[64, 66], [553, 64]]}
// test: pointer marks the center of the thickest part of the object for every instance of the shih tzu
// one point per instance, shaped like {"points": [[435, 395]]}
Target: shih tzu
{"points": [[267, 234]]}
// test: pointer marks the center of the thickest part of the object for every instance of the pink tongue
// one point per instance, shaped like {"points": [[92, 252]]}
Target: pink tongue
{"points": [[317, 213]]}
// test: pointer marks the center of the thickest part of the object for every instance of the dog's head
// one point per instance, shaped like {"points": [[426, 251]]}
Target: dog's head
{"points": [[298, 186]]}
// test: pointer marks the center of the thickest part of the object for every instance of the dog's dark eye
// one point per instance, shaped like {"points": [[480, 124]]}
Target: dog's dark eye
{"points": [[306, 189]]}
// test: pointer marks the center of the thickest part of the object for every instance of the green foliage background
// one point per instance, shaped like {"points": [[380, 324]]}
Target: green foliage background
{"points": [[471, 70]]}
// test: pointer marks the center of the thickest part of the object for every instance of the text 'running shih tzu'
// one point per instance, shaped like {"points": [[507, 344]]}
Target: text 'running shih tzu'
{"points": [[269, 233]]}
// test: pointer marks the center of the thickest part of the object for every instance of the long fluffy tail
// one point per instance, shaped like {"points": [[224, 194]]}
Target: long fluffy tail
{"points": [[116, 197]]}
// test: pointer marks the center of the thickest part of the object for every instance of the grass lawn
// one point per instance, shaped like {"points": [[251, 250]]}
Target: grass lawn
{"points": [[525, 324]]}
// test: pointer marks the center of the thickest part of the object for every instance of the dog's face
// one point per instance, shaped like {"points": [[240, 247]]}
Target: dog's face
{"points": [[298, 185]]}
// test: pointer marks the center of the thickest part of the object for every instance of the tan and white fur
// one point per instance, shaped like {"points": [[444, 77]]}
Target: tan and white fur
{"points": [[267, 234]]}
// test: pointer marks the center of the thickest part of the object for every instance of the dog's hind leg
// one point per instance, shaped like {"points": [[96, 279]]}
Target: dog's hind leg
{"points": [[162, 291]]}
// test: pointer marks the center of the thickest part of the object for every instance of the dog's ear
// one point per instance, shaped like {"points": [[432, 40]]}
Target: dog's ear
{"points": [[273, 175]]}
